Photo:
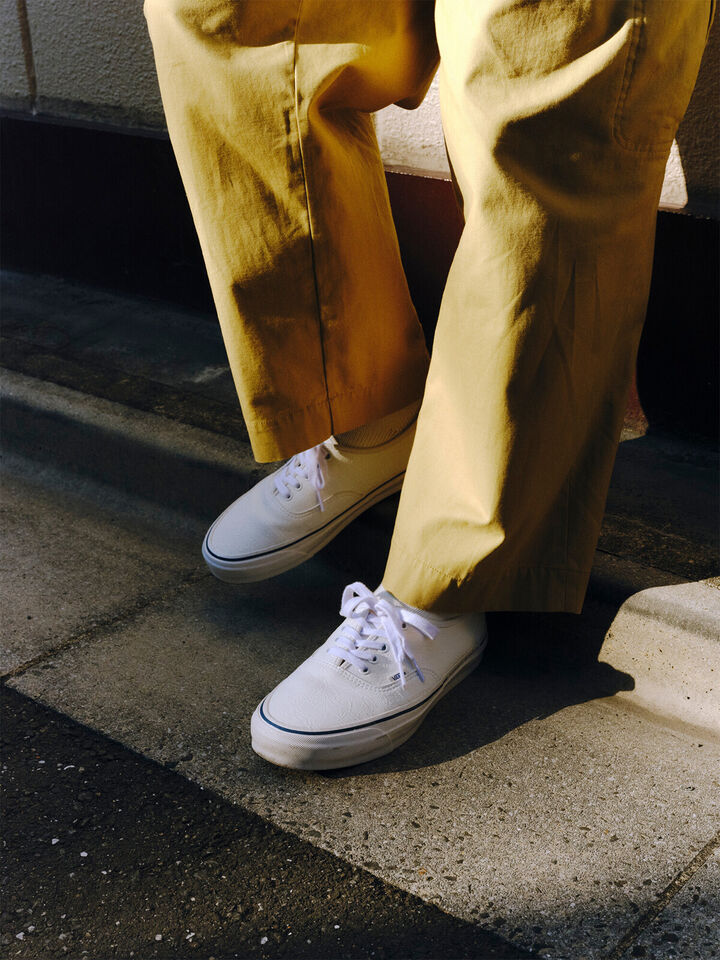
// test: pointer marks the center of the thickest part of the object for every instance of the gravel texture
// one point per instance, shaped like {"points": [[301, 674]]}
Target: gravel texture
{"points": [[110, 855]]}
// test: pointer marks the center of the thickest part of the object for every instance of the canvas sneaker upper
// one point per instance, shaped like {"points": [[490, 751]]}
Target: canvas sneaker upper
{"points": [[367, 688], [293, 512]]}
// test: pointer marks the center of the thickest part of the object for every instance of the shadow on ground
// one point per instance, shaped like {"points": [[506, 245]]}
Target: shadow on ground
{"points": [[110, 855]]}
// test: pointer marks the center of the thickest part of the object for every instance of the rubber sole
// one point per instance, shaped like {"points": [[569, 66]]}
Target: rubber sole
{"points": [[265, 565], [346, 748]]}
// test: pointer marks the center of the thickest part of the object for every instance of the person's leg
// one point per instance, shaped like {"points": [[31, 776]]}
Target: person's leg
{"points": [[558, 118], [268, 104]]}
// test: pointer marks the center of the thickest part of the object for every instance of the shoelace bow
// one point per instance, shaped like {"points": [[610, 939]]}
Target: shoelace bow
{"points": [[382, 625], [308, 465]]}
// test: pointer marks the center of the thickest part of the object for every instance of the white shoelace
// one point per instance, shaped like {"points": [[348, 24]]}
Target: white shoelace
{"points": [[382, 625], [308, 465]]}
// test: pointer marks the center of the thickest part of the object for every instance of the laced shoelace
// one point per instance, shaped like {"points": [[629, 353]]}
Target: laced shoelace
{"points": [[308, 465], [375, 623]]}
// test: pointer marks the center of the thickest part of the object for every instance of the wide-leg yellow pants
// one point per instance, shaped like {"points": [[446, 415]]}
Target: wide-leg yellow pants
{"points": [[558, 117]]}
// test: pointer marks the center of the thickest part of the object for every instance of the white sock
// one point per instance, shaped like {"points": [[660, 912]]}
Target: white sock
{"points": [[380, 431], [432, 616]]}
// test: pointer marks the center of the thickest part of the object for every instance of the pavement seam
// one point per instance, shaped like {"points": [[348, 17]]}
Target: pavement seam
{"points": [[668, 894], [654, 566], [106, 624]]}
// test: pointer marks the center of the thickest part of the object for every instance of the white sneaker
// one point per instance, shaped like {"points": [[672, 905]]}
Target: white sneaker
{"points": [[369, 686], [292, 513]]}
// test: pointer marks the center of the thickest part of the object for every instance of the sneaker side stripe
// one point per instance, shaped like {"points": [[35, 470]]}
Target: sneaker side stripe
{"points": [[360, 726], [285, 546]]}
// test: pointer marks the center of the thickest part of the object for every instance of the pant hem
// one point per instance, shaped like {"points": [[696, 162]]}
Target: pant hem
{"points": [[543, 589], [294, 430]]}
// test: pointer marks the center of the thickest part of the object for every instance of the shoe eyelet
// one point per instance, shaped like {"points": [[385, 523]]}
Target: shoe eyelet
{"points": [[384, 647], [404, 626], [366, 670], [374, 659], [298, 486], [288, 497]]}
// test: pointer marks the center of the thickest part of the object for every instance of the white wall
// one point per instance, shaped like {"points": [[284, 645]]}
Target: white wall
{"points": [[93, 61], [413, 138]]}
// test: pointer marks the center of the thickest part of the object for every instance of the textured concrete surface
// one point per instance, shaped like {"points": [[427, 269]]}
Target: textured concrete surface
{"points": [[67, 567], [559, 798], [666, 638], [661, 506], [535, 802], [538, 805], [689, 927], [109, 855], [139, 338], [164, 460], [413, 138]]}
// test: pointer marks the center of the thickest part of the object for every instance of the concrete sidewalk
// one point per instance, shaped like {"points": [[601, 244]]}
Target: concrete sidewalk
{"points": [[108, 854], [566, 798]]}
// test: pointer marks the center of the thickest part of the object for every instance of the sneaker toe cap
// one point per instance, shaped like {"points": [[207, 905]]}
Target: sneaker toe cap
{"points": [[325, 700], [245, 528]]}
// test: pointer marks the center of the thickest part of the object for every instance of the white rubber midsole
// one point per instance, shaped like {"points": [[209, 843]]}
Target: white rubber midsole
{"points": [[265, 565], [329, 751]]}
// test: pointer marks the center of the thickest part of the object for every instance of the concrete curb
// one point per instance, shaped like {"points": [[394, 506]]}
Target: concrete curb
{"points": [[180, 466], [661, 630], [665, 637]]}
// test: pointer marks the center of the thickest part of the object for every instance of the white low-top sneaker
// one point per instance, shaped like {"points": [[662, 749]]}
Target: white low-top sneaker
{"points": [[292, 513], [369, 686]]}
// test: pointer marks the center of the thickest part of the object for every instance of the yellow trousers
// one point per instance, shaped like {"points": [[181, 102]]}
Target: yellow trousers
{"points": [[558, 117]]}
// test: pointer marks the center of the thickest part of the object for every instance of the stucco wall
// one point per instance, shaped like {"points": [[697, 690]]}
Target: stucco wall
{"points": [[14, 87], [94, 62]]}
